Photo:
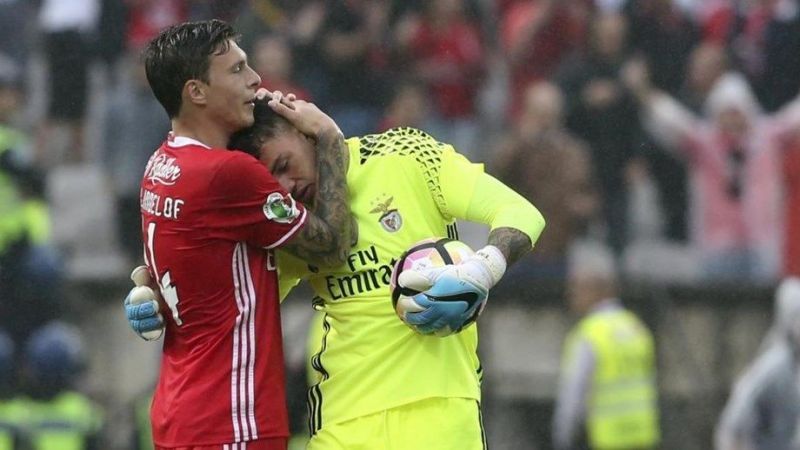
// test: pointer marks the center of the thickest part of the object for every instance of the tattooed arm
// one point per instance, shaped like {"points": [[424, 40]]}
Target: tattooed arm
{"points": [[326, 238], [515, 223], [512, 243]]}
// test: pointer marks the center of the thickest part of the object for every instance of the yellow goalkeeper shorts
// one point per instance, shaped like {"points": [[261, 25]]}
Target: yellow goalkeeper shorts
{"points": [[430, 424]]}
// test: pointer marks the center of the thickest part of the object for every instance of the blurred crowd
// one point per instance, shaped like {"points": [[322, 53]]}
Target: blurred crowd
{"points": [[669, 129]]}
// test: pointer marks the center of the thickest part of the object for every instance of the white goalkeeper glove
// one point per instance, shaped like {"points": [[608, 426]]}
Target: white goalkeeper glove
{"points": [[451, 296]]}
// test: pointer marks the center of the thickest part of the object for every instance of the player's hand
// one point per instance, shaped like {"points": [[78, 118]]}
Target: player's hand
{"points": [[303, 115], [471, 279], [264, 93], [144, 318], [142, 307], [446, 306]]}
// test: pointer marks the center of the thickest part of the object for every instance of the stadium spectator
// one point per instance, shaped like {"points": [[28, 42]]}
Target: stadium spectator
{"points": [[607, 396], [68, 27], [763, 409], [225, 10], [779, 78], [553, 169], [602, 112], [111, 34], [408, 107], [444, 50], [272, 60], [135, 126], [665, 35], [536, 36], [30, 270], [738, 25], [759, 35], [305, 29], [54, 414], [146, 18], [17, 20], [209, 220], [257, 18], [351, 49], [732, 155], [707, 63]]}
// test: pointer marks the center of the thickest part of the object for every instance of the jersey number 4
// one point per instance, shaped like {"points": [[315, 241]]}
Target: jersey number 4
{"points": [[168, 290]]}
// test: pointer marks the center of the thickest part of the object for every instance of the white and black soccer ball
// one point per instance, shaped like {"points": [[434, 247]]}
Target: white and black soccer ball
{"points": [[425, 254]]}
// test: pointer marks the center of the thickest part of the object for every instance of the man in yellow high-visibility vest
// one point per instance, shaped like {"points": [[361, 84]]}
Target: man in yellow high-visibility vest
{"points": [[31, 270], [53, 415], [607, 393]]}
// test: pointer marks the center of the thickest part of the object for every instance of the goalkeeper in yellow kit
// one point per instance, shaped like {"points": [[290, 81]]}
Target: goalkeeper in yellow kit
{"points": [[382, 385]]}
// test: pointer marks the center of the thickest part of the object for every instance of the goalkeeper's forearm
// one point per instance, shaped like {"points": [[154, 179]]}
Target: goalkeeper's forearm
{"points": [[512, 243], [515, 223]]}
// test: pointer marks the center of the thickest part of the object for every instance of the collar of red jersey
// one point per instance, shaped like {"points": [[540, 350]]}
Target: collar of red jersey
{"points": [[183, 141]]}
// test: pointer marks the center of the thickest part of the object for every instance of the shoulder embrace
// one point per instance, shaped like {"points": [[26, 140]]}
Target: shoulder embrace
{"points": [[238, 168], [237, 161]]}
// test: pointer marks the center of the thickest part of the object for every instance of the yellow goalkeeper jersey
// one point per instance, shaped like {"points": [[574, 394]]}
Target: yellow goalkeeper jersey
{"points": [[404, 187]]}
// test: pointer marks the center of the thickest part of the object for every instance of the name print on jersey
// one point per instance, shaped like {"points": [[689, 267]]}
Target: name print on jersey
{"points": [[364, 278], [151, 203]]}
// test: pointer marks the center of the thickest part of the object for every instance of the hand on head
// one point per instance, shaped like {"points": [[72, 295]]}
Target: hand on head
{"points": [[303, 115], [287, 99]]}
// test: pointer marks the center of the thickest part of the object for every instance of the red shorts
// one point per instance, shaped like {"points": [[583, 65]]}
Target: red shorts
{"points": [[261, 444]]}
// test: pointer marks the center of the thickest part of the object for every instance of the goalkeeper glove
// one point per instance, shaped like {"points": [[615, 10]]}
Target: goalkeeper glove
{"points": [[454, 295], [142, 308]]}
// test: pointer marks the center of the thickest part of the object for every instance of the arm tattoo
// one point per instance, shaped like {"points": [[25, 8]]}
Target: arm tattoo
{"points": [[513, 243], [325, 240]]}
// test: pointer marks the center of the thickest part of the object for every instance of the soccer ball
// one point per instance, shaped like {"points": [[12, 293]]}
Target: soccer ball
{"points": [[425, 254]]}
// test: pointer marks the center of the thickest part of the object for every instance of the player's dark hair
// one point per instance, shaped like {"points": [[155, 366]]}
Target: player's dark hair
{"points": [[266, 124], [181, 53]]}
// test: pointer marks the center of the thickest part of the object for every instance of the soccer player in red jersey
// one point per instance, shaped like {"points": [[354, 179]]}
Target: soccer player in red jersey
{"points": [[210, 219]]}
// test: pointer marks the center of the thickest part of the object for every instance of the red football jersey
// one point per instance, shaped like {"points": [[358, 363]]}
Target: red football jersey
{"points": [[209, 218]]}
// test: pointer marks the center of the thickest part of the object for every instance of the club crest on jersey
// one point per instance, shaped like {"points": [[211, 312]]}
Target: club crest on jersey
{"points": [[390, 219], [162, 169], [280, 208]]}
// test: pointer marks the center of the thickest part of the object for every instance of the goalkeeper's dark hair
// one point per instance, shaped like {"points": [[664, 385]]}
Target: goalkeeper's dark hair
{"points": [[266, 125], [181, 53]]}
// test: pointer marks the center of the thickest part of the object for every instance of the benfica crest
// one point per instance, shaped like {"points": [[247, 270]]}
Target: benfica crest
{"points": [[390, 219]]}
